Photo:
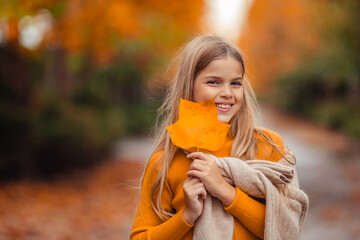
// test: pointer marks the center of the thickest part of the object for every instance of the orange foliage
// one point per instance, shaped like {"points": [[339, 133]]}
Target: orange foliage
{"points": [[100, 26], [12, 34], [276, 35], [99, 204]]}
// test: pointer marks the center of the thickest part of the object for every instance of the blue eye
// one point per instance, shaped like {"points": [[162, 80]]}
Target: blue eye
{"points": [[212, 82], [237, 83]]}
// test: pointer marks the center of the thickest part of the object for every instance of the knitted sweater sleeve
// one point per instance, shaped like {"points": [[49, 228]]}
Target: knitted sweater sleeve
{"points": [[249, 212], [147, 225]]}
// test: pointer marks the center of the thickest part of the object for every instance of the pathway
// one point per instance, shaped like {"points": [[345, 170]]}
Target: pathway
{"points": [[329, 172]]}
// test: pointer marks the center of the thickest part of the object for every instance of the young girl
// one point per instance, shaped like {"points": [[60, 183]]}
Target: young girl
{"points": [[175, 184]]}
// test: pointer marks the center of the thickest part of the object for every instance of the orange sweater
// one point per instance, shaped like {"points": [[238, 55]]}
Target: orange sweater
{"points": [[249, 214]]}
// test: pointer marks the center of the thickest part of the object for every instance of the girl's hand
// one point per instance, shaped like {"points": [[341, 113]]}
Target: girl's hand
{"points": [[195, 193], [206, 169]]}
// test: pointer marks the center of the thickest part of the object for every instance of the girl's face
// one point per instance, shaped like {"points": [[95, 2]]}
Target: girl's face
{"points": [[222, 80]]}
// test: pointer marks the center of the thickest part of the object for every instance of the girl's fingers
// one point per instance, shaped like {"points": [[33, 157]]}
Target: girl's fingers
{"points": [[198, 165], [203, 192], [198, 155], [196, 174], [195, 188], [208, 172], [194, 193], [199, 190], [195, 185], [192, 180]]}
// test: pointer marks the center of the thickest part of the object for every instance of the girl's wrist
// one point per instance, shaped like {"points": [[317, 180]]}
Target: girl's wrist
{"points": [[227, 195], [188, 216]]}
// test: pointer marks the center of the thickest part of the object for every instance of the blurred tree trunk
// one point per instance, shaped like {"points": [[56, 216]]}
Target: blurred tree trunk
{"points": [[13, 74], [15, 96], [57, 76]]}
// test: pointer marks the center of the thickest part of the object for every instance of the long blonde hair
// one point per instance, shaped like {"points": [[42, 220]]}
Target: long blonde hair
{"points": [[194, 57]]}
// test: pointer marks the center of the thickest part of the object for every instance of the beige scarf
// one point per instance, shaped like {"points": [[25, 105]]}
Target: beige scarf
{"points": [[286, 204]]}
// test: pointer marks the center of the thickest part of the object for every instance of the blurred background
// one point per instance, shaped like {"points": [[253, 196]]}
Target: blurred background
{"points": [[80, 83]]}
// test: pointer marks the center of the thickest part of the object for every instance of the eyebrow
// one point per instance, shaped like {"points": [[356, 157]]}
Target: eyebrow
{"points": [[216, 77]]}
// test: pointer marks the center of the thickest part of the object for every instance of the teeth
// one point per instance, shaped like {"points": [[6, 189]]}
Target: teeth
{"points": [[223, 106]]}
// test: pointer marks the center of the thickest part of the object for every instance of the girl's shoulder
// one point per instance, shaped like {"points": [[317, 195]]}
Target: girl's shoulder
{"points": [[179, 165], [270, 145], [154, 162], [260, 132]]}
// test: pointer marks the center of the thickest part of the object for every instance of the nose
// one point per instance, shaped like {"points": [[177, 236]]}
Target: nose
{"points": [[225, 92]]}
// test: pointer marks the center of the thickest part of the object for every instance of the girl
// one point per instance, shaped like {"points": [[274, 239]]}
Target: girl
{"points": [[175, 185]]}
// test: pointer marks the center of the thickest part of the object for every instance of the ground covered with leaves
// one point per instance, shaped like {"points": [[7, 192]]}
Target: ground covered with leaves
{"points": [[96, 204]]}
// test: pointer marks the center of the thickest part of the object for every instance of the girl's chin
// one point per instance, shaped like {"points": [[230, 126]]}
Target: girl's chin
{"points": [[224, 119]]}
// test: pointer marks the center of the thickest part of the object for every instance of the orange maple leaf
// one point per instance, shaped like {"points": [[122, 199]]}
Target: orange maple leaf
{"points": [[198, 126]]}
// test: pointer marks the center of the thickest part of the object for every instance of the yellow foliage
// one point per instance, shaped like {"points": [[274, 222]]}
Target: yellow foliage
{"points": [[198, 126]]}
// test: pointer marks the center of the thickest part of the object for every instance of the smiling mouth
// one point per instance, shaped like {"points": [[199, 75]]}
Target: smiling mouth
{"points": [[223, 107]]}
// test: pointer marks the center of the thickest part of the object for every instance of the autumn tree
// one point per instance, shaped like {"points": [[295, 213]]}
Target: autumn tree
{"points": [[319, 79], [275, 38], [84, 85]]}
